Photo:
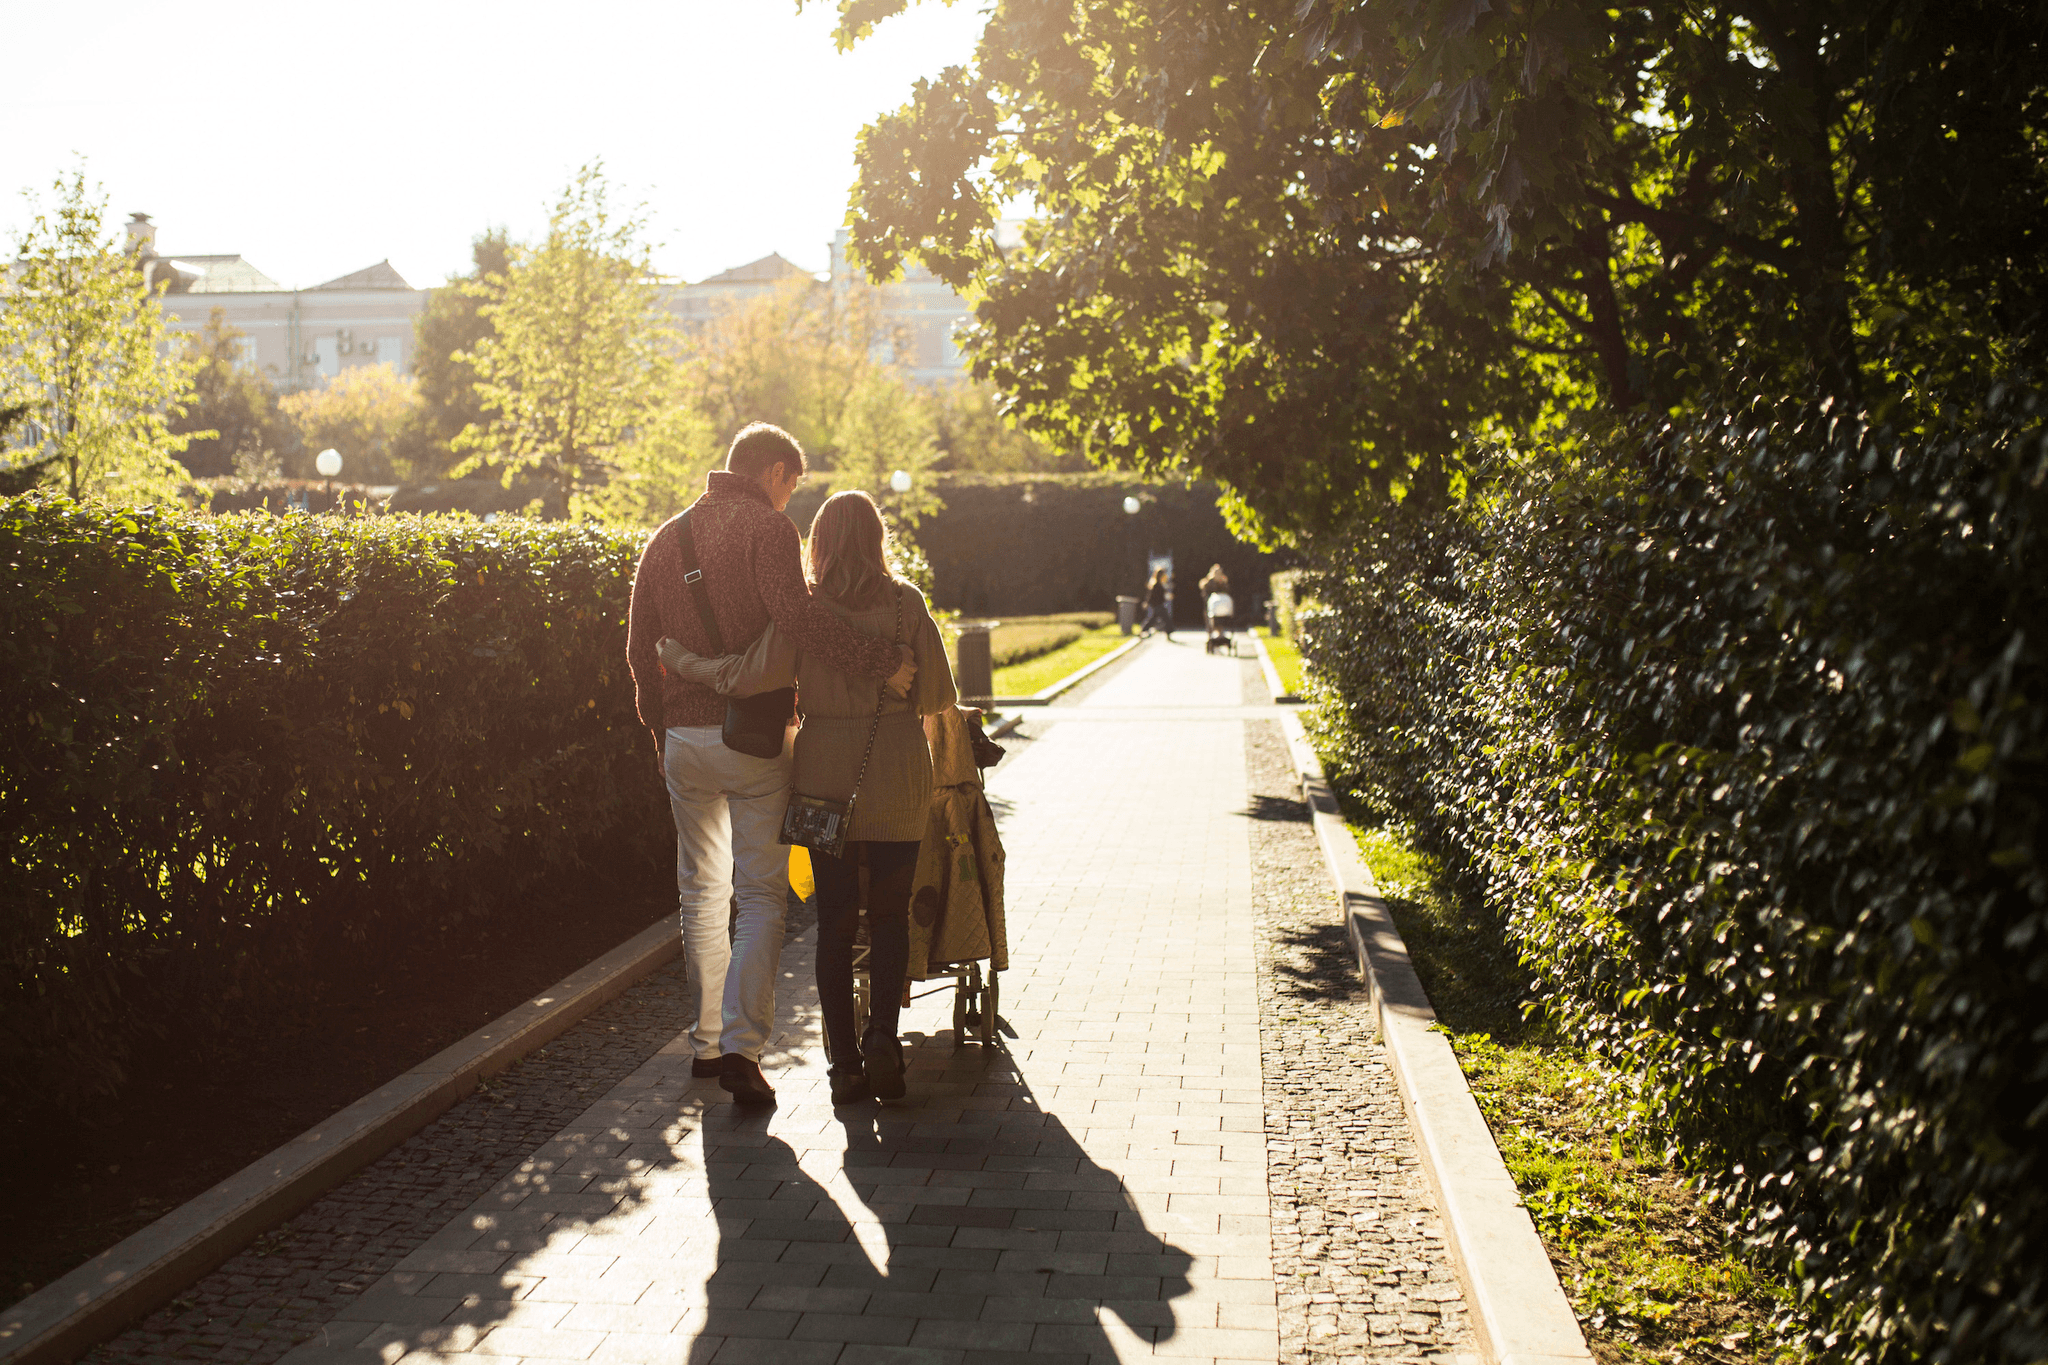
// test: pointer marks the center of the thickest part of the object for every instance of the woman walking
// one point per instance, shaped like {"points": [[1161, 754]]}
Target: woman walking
{"points": [[849, 574], [846, 563], [1156, 615]]}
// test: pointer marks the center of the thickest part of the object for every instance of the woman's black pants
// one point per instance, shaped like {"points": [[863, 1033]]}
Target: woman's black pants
{"points": [[891, 869]]}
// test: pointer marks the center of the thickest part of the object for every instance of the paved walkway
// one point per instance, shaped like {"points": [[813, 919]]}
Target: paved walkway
{"points": [[1096, 1189]]}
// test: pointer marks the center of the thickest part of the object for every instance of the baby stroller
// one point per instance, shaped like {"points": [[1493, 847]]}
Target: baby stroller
{"points": [[1222, 617], [956, 904]]}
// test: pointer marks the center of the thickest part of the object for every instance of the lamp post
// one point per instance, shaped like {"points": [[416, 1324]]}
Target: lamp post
{"points": [[1126, 606], [328, 463]]}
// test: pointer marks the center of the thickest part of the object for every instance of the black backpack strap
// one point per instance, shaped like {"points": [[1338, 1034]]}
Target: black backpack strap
{"points": [[694, 577]]}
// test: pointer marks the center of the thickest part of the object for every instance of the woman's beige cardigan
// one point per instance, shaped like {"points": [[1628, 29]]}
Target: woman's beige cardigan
{"points": [[896, 795]]}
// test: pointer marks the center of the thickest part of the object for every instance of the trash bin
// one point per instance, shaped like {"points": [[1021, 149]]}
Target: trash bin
{"points": [[1127, 613], [975, 679]]}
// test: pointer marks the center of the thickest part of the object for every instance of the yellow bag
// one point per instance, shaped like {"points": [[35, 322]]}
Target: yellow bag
{"points": [[800, 879]]}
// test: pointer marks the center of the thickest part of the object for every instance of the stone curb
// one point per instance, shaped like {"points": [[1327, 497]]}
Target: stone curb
{"points": [[145, 1271], [1518, 1309], [1273, 683]]}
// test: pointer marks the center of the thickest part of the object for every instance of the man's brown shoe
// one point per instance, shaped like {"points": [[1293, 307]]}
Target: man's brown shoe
{"points": [[706, 1068], [742, 1079]]}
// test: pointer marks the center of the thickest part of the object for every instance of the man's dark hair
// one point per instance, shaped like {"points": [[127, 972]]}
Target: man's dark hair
{"points": [[762, 445]]}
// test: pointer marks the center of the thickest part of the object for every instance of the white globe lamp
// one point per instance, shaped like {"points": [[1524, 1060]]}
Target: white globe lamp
{"points": [[1131, 506], [900, 481], [328, 462]]}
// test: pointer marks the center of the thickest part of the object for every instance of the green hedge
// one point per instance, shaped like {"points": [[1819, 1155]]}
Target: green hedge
{"points": [[235, 742], [1038, 545], [1746, 747]]}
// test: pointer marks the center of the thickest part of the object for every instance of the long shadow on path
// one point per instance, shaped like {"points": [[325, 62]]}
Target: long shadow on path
{"points": [[969, 1226], [936, 1235]]}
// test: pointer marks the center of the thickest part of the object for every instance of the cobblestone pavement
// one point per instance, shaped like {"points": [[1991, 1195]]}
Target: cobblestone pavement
{"points": [[1186, 1148], [292, 1280], [1358, 1250]]}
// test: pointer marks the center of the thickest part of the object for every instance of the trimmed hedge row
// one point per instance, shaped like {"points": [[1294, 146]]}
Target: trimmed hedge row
{"points": [[1746, 747], [233, 741], [1038, 545]]}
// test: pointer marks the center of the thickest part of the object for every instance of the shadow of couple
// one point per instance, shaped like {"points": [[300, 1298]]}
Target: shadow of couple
{"points": [[965, 1226], [937, 1233]]}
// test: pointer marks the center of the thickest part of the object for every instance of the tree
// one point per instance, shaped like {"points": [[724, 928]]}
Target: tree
{"points": [[789, 357], [449, 327], [974, 435], [581, 351], [233, 416], [84, 345], [656, 473], [23, 477], [369, 413], [1315, 247], [885, 429]]}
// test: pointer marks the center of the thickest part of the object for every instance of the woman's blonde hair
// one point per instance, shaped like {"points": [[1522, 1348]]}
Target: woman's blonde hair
{"points": [[847, 558]]}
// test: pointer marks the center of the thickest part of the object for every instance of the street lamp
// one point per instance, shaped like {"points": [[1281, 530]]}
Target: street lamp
{"points": [[328, 463], [1127, 607]]}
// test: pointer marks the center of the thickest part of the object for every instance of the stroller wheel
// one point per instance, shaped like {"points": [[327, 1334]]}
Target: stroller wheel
{"points": [[990, 994]]}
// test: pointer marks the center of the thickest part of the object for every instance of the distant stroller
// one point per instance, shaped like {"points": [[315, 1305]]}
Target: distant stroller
{"points": [[1222, 618]]}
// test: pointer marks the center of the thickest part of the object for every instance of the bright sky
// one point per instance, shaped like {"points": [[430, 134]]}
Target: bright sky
{"points": [[318, 139]]}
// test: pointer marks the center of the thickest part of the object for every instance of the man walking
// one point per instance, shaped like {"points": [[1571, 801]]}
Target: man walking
{"points": [[728, 805]]}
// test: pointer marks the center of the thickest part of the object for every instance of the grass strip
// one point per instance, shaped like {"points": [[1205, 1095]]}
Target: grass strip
{"points": [[1034, 675], [1652, 1271], [1286, 662]]}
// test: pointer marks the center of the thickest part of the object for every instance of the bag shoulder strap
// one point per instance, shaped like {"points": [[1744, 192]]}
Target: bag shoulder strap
{"points": [[694, 577]]}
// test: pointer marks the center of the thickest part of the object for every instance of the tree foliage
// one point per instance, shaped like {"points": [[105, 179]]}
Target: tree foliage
{"points": [[792, 356], [232, 418], [85, 346], [1741, 735], [452, 325], [885, 429], [581, 350], [658, 472], [975, 435], [370, 414], [1314, 247]]}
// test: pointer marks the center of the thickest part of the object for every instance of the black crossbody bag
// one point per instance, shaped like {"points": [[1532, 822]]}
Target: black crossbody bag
{"points": [[821, 824], [753, 725]]}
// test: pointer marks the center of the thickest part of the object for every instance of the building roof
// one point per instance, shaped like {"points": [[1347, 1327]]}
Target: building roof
{"points": [[767, 270], [378, 276], [219, 275]]}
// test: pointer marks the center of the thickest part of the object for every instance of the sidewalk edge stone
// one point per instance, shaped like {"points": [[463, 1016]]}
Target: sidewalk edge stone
{"points": [[1517, 1307], [144, 1271], [1273, 684]]}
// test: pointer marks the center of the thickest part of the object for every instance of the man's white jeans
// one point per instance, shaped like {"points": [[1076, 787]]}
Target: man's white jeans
{"points": [[728, 811]]}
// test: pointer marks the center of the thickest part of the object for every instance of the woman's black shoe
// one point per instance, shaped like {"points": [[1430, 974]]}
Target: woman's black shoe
{"points": [[850, 1087], [882, 1057]]}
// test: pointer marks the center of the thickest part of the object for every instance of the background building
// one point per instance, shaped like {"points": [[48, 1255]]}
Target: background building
{"points": [[302, 336], [917, 315], [697, 304], [305, 336]]}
